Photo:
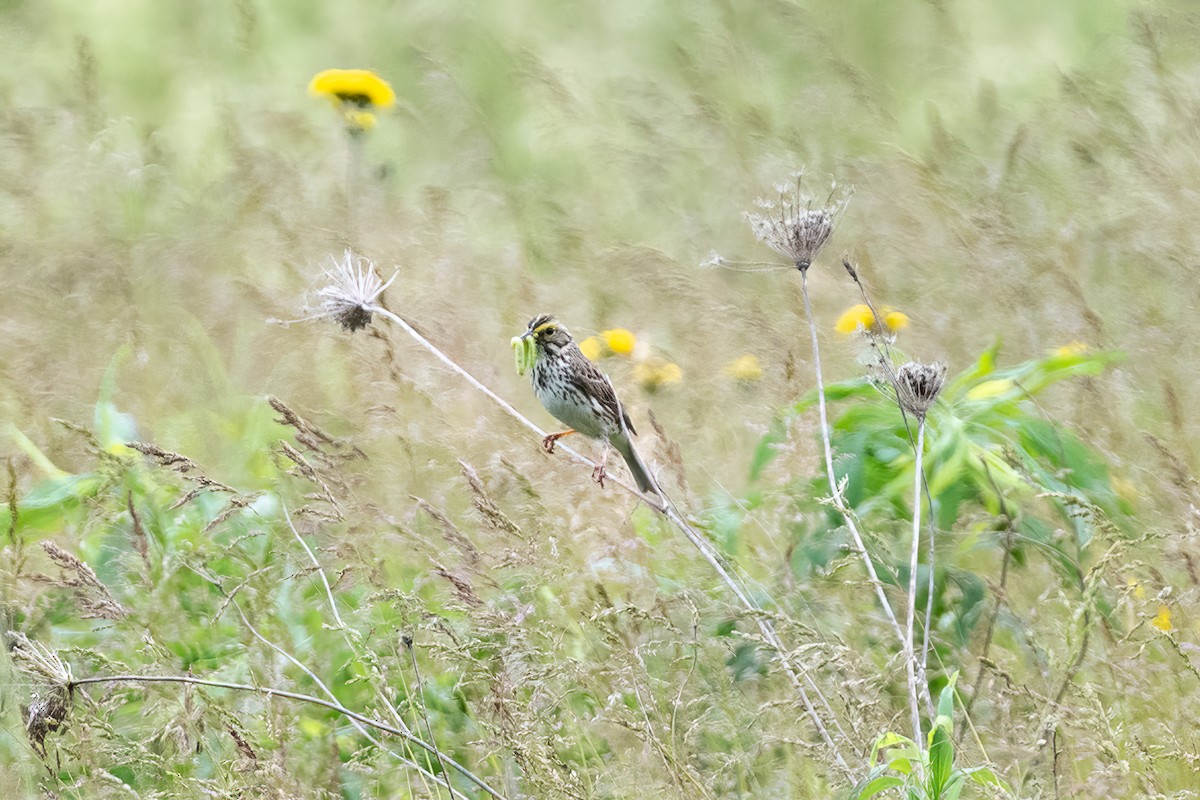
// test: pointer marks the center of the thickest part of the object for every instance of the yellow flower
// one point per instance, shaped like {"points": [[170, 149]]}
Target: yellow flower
{"points": [[619, 340], [359, 121], [990, 389], [1139, 591], [895, 320], [655, 373], [354, 87], [1071, 350], [1162, 620], [861, 316], [591, 347], [855, 317], [744, 368]]}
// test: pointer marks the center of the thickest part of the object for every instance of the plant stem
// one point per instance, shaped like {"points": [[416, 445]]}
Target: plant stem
{"points": [[303, 698], [915, 672], [885, 361], [835, 491]]}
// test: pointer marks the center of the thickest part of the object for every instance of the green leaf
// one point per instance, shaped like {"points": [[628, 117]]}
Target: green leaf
{"points": [[941, 759], [941, 747], [946, 700], [889, 739], [984, 776], [954, 787], [46, 505], [877, 785]]}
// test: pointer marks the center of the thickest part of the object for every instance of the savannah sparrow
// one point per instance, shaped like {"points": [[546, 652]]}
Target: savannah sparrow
{"points": [[580, 396]]}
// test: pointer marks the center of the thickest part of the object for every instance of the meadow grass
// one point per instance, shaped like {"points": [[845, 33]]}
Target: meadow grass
{"points": [[193, 491]]}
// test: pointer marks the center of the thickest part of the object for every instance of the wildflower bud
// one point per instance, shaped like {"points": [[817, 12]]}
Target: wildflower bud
{"points": [[918, 385]]}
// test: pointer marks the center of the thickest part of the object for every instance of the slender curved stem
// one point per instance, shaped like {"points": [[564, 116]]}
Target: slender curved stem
{"points": [[915, 672], [835, 491]]}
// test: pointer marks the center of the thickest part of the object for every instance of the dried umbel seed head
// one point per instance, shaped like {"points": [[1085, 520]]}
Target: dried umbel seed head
{"points": [[918, 385], [45, 714], [797, 226]]}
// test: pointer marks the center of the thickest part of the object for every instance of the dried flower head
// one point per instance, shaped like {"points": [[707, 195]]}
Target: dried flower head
{"points": [[918, 385], [51, 702], [349, 298], [38, 661], [796, 226]]}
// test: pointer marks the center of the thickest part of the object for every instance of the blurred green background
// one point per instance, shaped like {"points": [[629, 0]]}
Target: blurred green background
{"points": [[1023, 172]]}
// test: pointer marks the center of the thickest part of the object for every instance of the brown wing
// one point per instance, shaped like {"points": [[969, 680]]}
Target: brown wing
{"points": [[596, 384]]}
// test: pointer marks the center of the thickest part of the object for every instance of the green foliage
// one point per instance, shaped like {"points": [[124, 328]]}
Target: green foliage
{"points": [[993, 457], [929, 772]]}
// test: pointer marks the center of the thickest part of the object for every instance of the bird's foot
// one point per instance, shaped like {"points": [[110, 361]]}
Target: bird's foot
{"points": [[598, 475], [549, 441]]}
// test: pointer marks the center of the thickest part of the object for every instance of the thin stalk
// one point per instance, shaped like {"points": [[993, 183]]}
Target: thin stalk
{"points": [[1010, 523], [408, 643], [910, 656], [885, 360], [303, 698], [380, 690], [835, 491], [354, 157], [662, 505]]}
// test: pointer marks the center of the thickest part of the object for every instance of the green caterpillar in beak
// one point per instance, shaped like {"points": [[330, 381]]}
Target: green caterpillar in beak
{"points": [[525, 350]]}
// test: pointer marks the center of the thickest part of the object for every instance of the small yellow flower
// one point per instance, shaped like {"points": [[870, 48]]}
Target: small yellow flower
{"points": [[655, 373], [359, 121], [744, 368], [895, 320], [1139, 591], [1071, 350], [990, 389], [855, 317], [1162, 620], [861, 316], [591, 347], [619, 340], [353, 87]]}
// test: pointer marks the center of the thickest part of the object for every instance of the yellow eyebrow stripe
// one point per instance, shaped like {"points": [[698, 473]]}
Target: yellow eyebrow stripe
{"points": [[544, 326]]}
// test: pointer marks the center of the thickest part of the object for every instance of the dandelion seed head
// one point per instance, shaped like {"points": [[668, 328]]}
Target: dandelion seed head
{"points": [[350, 294]]}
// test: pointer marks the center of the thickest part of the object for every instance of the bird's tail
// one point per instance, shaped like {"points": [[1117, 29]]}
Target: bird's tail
{"points": [[637, 467]]}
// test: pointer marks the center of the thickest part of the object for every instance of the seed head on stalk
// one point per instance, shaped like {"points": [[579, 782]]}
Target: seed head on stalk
{"points": [[796, 225]]}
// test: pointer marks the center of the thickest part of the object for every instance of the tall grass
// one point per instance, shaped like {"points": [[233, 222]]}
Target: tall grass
{"points": [[166, 187]]}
